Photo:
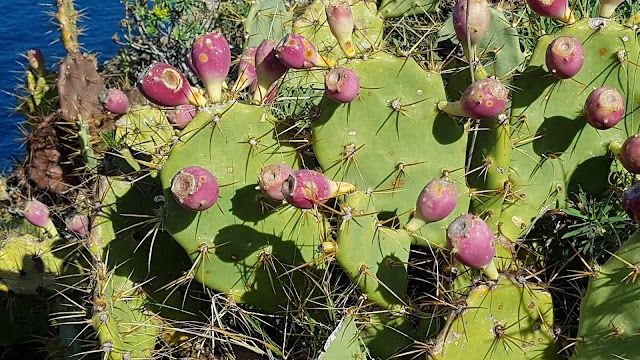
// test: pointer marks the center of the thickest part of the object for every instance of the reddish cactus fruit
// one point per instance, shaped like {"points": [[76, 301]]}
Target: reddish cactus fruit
{"points": [[78, 224], [115, 101], [340, 20], [604, 108], [181, 115], [341, 85], [268, 69], [630, 154], [436, 201], [631, 202], [483, 99], [246, 69], [306, 188], [211, 58], [297, 52], [195, 188], [557, 9], [37, 62], [471, 241], [271, 178], [164, 85], [37, 214], [479, 24], [565, 57]]}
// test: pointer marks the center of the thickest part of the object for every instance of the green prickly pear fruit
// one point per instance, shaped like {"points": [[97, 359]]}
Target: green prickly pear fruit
{"points": [[480, 20], [436, 201], [565, 57], [340, 20], [211, 60], [195, 188], [38, 215], [271, 179], [246, 69], [483, 99], [631, 202], [306, 188], [630, 154], [297, 52], [164, 85], [181, 115], [341, 84], [268, 69], [557, 9], [604, 108], [115, 101], [471, 241], [36, 62], [78, 224]]}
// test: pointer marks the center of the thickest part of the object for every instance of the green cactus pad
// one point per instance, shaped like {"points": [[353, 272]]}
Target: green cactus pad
{"points": [[344, 342], [609, 318], [506, 320], [145, 129], [245, 244], [555, 151], [398, 8], [394, 123], [267, 19]]}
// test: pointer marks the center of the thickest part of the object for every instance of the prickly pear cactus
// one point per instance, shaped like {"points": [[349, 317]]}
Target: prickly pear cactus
{"points": [[267, 19], [609, 324], [399, 8], [145, 130], [79, 88]]}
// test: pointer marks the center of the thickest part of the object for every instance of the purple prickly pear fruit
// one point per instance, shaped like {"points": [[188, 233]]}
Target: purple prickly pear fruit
{"points": [[297, 52], [557, 9], [341, 84], [306, 188], [631, 202], [164, 85], [211, 58], [78, 224], [115, 101], [37, 62], [268, 69], [565, 57], [604, 108], [271, 178], [246, 69], [181, 115], [477, 27], [630, 154], [195, 188], [436, 201], [340, 20], [37, 214], [471, 241], [483, 99]]}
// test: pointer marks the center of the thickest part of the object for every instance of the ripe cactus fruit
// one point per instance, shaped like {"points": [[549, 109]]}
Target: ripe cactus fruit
{"points": [[246, 69], [604, 108], [306, 188], [37, 62], [181, 115], [164, 85], [271, 178], [268, 69], [340, 20], [630, 154], [115, 101], [631, 202], [480, 20], [341, 84], [483, 99], [565, 57], [195, 188], [38, 215], [211, 59], [78, 224], [435, 202], [297, 52], [471, 241], [557, 9]]}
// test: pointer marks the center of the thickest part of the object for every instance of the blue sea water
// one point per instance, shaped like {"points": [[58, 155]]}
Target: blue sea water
{"points": [[26, 25]]}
